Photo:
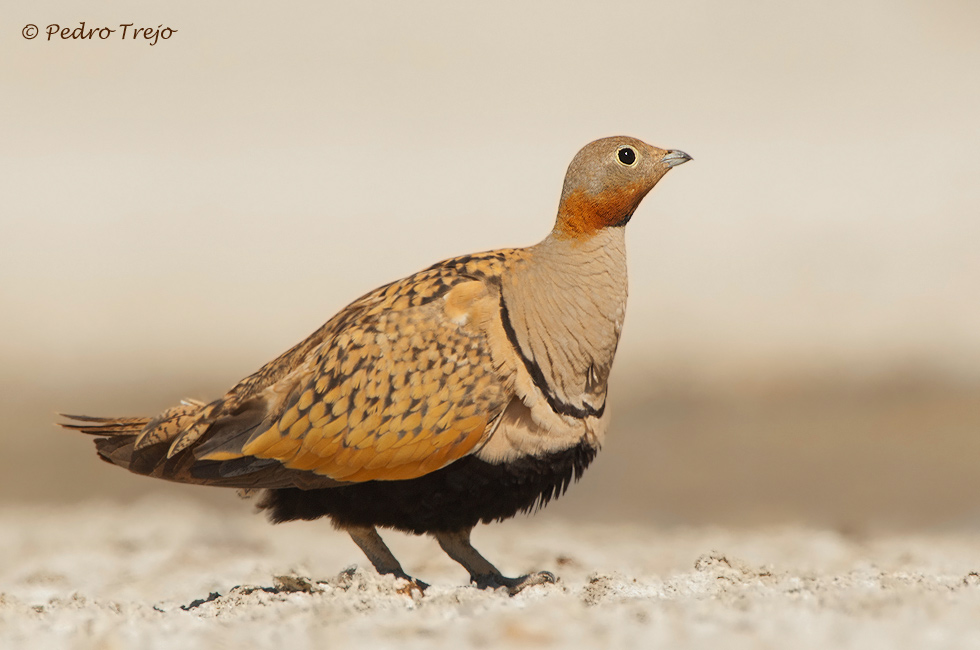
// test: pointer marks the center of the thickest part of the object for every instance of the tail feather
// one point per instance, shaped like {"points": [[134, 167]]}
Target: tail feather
{"points": [[117, 450], [172, 424], [105, 426], [91, 418]]}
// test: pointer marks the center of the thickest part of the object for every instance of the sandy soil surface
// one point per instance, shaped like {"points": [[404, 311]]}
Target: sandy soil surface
{"points": [[164, 573]]}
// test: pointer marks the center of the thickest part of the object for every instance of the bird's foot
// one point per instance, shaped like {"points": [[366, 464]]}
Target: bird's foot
{"points": [[412, 587], [413, 584], [346, 579], [513, 585]]}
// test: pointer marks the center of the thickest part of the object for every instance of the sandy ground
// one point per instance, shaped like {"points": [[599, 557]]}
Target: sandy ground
{"points": [[164, 573]]}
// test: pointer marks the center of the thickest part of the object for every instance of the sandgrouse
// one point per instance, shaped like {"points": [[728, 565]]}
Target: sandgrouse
{"points": [[466, 393]]}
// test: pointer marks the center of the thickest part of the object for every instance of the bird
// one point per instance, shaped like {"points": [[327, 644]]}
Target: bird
{"points": [[466, 393]]}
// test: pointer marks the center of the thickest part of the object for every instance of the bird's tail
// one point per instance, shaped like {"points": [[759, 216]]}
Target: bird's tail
{"points": [[165, 447], [120, 435], [119, 440]]}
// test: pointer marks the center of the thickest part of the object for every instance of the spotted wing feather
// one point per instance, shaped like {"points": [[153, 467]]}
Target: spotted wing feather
{"points": [[398, 384], [404, 385]]}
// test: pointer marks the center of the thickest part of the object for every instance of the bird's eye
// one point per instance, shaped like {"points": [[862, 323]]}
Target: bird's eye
{"points": [[627, 156]]}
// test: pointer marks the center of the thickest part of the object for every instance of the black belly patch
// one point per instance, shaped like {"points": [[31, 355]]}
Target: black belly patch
{"points": [[456, 497]]}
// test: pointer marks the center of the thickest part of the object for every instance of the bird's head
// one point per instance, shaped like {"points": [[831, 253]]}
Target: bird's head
{"points": [[606, 181]]}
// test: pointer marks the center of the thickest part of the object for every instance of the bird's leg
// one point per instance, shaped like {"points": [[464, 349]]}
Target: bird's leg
{"points": [[377, 551], [457, 545]]}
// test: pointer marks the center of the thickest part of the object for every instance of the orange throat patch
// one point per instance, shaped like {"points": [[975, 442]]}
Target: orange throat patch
{"points": [[582, 215]]}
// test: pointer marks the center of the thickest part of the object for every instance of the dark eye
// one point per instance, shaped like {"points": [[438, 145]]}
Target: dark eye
{"points": [[627, 156]]}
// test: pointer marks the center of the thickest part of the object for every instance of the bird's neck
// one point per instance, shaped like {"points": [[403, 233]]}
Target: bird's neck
{"points": [[567, 303], [582, 214], [604, 244], [588, 271]]}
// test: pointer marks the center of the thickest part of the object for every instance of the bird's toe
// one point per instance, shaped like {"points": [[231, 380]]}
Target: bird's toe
{"points": [[531, 579], [514, 585]]}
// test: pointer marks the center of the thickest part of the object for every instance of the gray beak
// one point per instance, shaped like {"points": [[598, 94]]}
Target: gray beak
{"points": [[674, 158]]}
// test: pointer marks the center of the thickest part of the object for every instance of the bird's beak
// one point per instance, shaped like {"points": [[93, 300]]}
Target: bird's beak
{"points": [[675, 158]]}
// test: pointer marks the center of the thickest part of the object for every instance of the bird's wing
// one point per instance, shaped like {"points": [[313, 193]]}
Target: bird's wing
{"points": [[402, 382]]}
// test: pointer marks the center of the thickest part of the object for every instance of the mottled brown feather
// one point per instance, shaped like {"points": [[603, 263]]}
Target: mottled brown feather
{"points": [[396, 393], [396, 385]]}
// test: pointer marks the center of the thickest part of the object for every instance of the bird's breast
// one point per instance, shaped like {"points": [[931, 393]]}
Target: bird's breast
{"points": [[563, 314]]}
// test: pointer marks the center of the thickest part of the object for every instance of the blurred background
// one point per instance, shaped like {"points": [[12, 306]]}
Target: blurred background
{"points": [[803, 336]]}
